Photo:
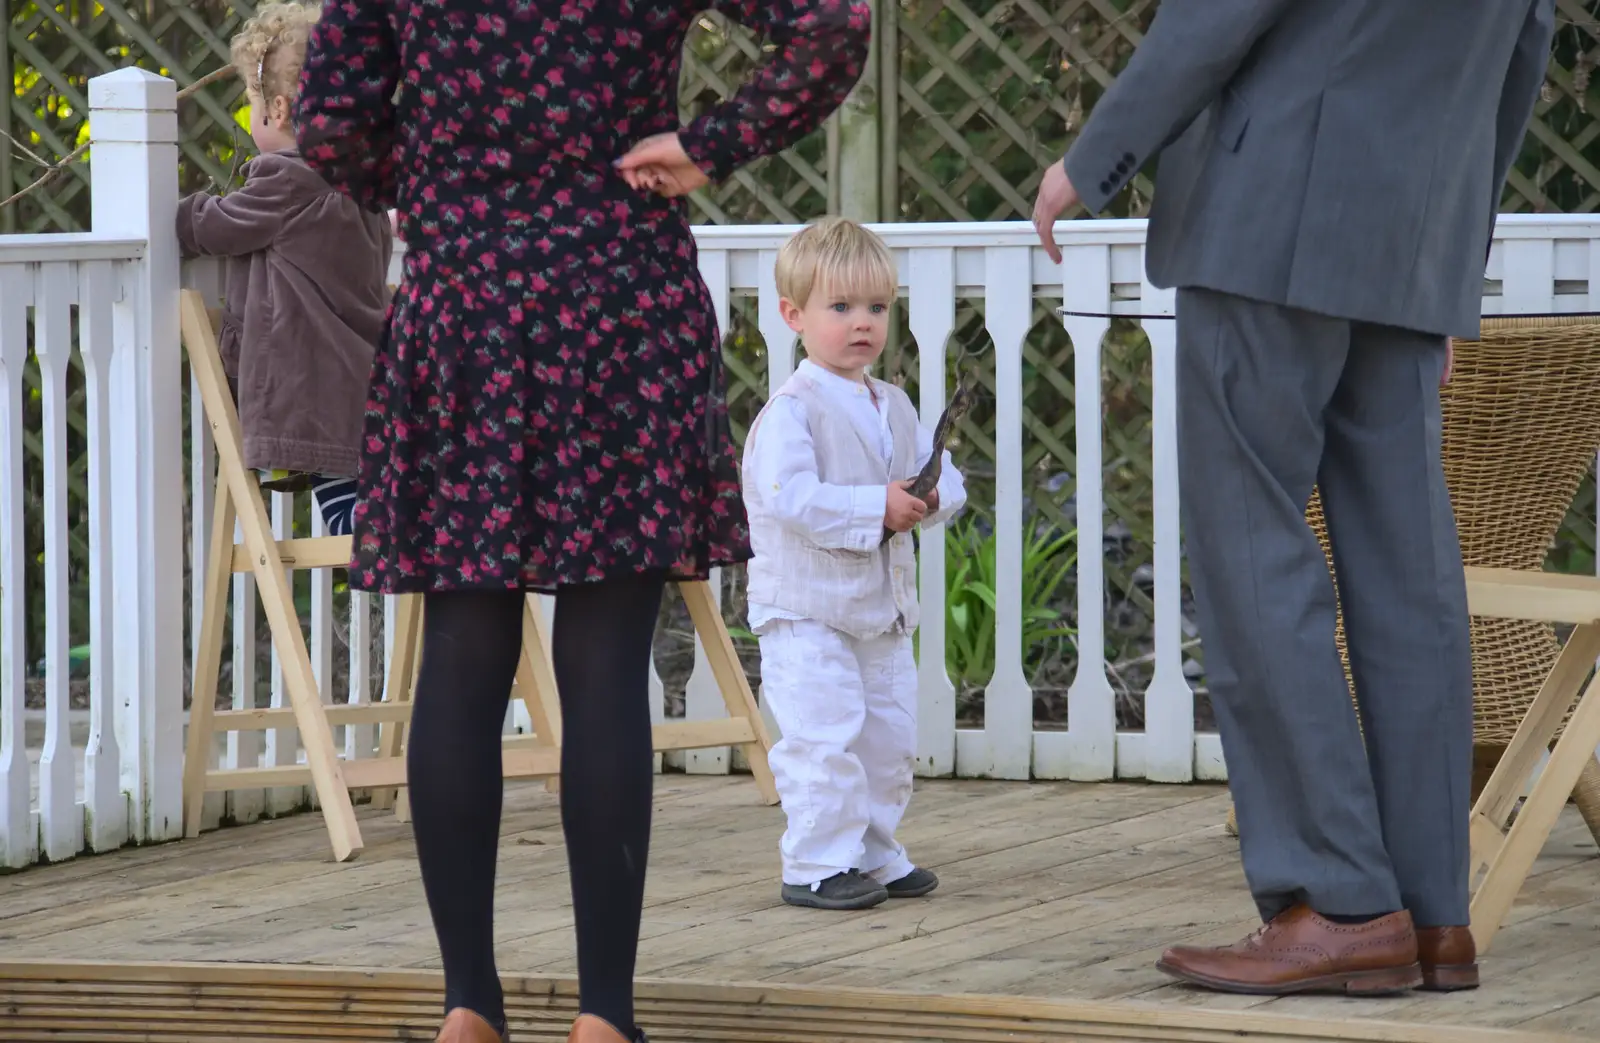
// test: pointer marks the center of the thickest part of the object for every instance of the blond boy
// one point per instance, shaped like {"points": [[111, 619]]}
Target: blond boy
{"points": [[826, 467], [306, 289]]}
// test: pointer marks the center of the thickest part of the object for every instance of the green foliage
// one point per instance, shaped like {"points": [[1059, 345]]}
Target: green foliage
{"points": [[971, 577]]}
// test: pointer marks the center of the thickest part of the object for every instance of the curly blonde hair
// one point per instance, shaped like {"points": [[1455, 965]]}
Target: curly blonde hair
{"points": [[271, 47]]}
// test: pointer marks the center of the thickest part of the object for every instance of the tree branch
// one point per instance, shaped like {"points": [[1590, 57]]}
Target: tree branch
{"points": [[56, 169]]}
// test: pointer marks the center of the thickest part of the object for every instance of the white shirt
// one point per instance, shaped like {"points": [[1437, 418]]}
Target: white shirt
{"points": [[783, 465]]}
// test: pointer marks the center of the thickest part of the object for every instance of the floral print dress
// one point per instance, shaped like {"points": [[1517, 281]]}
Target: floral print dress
{"points": [[546, 406]]}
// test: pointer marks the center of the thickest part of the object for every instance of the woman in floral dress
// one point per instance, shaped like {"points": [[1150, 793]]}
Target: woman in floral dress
{"points": [[546, 408]]}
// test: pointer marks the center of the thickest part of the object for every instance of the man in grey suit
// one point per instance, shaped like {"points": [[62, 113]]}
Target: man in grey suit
{"points": [[1329, 176]]}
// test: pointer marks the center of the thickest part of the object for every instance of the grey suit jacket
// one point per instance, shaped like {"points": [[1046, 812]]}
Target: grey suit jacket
{"points": [[1340, 156]]}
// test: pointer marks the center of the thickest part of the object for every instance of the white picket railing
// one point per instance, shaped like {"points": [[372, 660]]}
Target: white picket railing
{"points": [[102, 777]]}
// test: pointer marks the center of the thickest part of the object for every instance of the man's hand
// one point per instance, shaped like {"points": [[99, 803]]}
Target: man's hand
{"points": [[1449, 360], [902, 511], [1056, 196], [659, 164]]}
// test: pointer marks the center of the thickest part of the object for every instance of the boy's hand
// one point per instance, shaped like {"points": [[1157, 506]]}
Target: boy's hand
{"points": [[902, 511]]}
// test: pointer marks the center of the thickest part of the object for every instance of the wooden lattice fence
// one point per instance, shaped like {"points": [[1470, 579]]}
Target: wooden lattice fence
{"points": [[963, 105]]}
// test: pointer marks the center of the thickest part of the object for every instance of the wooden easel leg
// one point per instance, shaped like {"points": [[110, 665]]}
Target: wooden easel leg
{"points": [[272, 581], [536, 682], [208, 663], [404, 659], [1510, 865], [731, 681], [316, 736]]}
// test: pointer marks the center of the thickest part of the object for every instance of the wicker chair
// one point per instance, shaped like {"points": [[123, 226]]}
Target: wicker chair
{"points": [[1520, 433]]}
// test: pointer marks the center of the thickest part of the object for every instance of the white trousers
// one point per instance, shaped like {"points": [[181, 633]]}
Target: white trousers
{"points": [[847, 711]]}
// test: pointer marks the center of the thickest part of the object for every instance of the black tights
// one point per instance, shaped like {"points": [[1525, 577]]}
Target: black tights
{"points": [[601, 650]]}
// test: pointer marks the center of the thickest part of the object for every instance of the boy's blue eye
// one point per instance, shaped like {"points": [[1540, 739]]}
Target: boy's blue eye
{"points": [[879, 309], [840, 306]]}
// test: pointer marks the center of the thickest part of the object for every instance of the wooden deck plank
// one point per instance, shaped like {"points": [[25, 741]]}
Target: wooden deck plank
{"points": [[262, 1003], [1053, 890]]}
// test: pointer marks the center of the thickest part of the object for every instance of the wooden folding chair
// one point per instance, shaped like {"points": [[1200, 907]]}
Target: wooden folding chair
{"points": [[238, 497]]}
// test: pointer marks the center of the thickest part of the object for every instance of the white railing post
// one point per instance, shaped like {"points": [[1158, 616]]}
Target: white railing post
{"points": [[133, 124]]}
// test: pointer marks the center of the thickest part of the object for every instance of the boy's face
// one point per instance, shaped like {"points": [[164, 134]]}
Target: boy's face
{"points": [[843, 330]]}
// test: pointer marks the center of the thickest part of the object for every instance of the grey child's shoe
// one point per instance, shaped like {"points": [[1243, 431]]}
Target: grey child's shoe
{"points": [[914, 884], [846, 890]]}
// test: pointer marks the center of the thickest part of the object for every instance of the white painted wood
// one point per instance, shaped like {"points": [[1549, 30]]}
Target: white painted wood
{"points": [[55, 287], [18, 837], [106, 824], [657, 689], [1528, 284], [779, 338], [282, 744], [321, 643], [1206, 752], [77, 247], [134, 195], [1168, 701], [360, 740], [702, 699], [932, 319], [1090, 746], [391, 622], [245, 749], [322, 640], [202, 501], [1209, 765], [1004, 747]]}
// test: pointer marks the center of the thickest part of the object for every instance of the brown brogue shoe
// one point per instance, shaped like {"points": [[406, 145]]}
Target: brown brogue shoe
{"points": [[1299, 951], [465, 1026], [1449, 958], [591, 1029]]}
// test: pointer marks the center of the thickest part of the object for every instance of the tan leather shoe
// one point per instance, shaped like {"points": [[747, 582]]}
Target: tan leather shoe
{"points": [[464, 1026], [1449, 958], [590, 1029], [1299, 951]]}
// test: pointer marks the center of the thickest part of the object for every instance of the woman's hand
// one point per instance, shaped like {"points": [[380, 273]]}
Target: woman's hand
{"points": [[659, 164]]}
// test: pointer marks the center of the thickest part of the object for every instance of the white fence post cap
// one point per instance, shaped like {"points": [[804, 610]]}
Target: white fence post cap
{"points": [[133, 88]]}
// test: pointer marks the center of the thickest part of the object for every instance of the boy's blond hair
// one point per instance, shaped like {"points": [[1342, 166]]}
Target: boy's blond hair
{"points": [[835, 255], [271, 47]]}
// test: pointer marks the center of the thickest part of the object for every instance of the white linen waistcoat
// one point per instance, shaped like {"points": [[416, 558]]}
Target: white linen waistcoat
{"points": [[862, 593]]}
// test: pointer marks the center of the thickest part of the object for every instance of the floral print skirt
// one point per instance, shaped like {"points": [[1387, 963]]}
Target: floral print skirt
{"points": [[531, 428]]}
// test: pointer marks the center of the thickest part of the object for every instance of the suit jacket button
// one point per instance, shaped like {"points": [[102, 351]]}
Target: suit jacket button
{"points": [[1105, 187], [1128, 158]]}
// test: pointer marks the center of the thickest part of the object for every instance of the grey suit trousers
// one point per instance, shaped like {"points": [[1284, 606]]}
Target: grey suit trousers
{"points": [[1271, 402]]}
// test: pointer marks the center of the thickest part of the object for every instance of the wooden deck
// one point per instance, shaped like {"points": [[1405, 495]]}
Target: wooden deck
{"points": [[1048, 890]]}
